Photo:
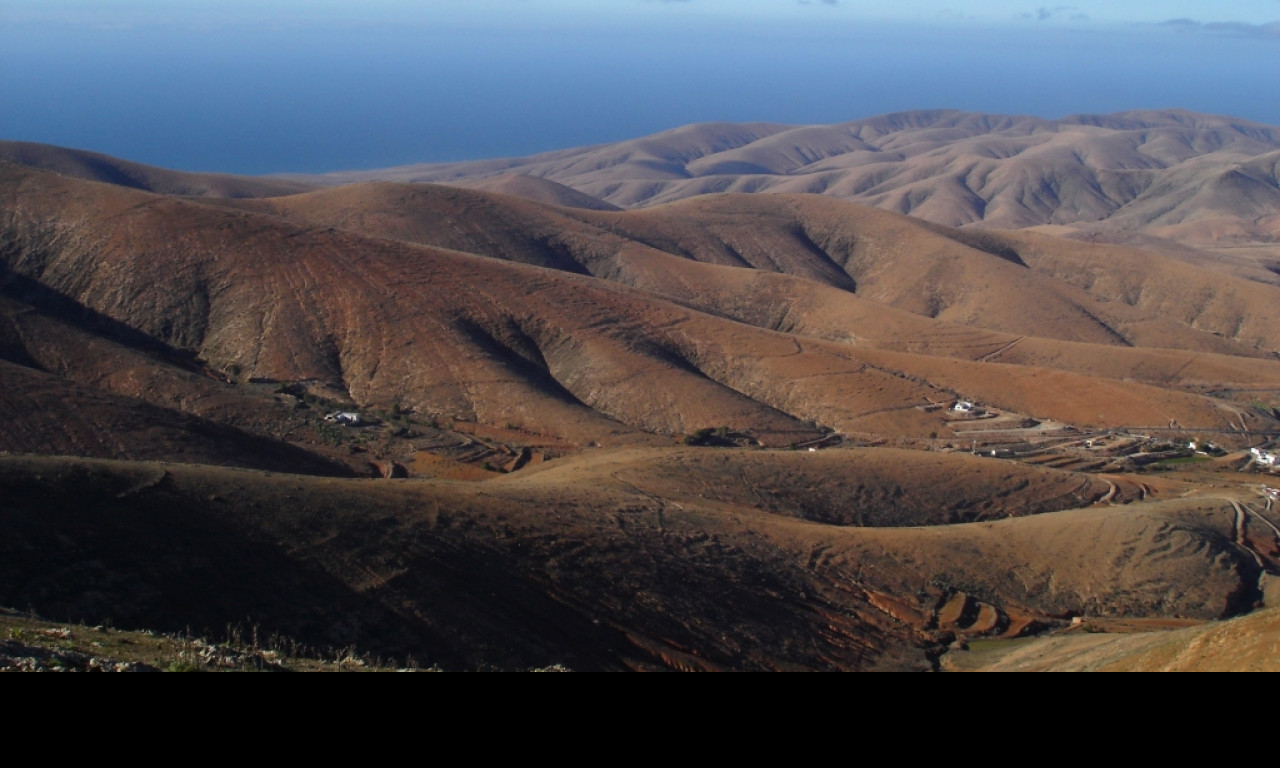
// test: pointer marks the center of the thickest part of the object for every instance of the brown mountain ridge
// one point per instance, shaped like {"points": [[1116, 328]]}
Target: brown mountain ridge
{"points": [[1169, 179], [712, 433]]}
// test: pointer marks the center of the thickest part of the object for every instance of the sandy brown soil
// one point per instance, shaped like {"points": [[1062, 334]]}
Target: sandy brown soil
{"points": [[1175, 175], [1246, 644], [595, 426], [593, 566]]}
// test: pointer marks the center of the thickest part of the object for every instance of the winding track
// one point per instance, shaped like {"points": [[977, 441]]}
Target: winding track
{"points": [[1241, 523]]}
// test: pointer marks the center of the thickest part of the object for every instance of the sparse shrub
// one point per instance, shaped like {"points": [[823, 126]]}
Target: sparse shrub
{"points": [[331, 434], [700, 437]]}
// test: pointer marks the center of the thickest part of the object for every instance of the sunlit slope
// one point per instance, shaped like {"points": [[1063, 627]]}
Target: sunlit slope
{"points": [[1245, 644], [1171, 171], [439, 331], [750, 259], [542, 191], [1016, 284], [396, 324]]}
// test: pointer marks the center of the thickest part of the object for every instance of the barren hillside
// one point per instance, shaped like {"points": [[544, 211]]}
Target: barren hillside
{"points": [[1245, 644], [1194, 186], [464, 336], [596, 570], [93, 166], [765, 432], [848, 274], [1165, 169]]}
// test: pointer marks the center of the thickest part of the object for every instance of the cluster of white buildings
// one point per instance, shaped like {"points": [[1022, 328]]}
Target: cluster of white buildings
{"points": [[1263, 458]]}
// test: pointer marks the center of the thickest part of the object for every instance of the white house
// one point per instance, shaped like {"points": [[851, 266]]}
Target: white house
{"points": [[344, 417], [1264, 458], [964, 406]]}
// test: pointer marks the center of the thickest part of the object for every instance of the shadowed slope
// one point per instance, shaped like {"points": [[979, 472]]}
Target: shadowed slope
{"points": [[92, 166], [438, 572], [585, 571], [89, 374], [44, 414], [876, 488]]}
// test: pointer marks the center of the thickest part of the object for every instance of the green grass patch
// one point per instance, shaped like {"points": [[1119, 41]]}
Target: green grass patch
{"points": [[983, 653]]}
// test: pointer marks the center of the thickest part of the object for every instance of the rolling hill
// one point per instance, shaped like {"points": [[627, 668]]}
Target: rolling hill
{"points": [[594, 566], [953, 168], [1248, 642], [1197, 186], [458, 335], [93, 166], [710, 433]]}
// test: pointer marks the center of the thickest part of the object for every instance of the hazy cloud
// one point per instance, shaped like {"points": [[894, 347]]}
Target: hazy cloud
{"points": [[1047, 13], [951, 14], [1235, 28]]}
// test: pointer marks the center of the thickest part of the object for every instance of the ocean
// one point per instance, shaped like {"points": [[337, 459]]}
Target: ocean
{"points": [[313, 99]]}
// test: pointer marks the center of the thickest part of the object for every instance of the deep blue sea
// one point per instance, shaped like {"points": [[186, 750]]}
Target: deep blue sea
{"points": [[310, 100]]}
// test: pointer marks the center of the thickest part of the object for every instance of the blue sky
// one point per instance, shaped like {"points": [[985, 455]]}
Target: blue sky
{"points": [[278, 85], [483, 11]]}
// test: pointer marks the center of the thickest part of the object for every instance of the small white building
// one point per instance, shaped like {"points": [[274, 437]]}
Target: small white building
{"points": [[344, 418], [1263, 458], [964, 406]]}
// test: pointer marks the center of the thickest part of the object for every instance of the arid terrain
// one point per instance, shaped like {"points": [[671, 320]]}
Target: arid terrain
{"points": [[1203, 188], [567, 415]]}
